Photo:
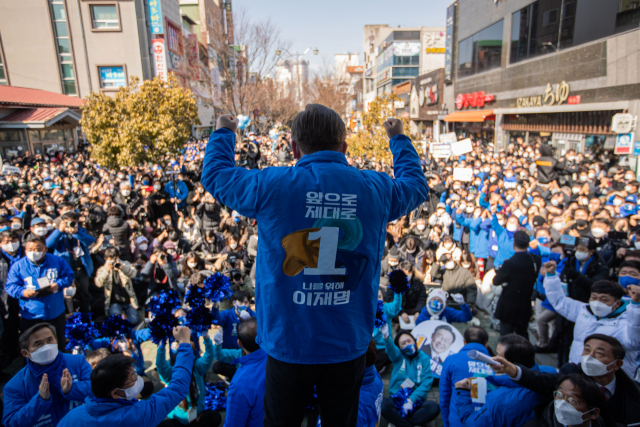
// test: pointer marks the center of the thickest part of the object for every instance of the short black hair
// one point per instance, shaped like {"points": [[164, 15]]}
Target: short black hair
{"points": [[399, 334], [33, 238], [23, 342], [446, 328], [631, 263], [521, 240], [318, 128], [114, 211], [406, 266], [518, 350], [371, 354], [476, 334], [591, 394], [9, 234], [619, 351], [111, 253], [247, 332], [608, 287], [240, 296], [111, 373]]}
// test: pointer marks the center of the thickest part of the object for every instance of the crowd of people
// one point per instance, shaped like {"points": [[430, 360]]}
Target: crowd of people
{"points": [[545, 244]]}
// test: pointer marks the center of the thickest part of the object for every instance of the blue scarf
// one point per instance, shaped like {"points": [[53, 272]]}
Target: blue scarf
{"points": [[13, 260], [54, 374]]}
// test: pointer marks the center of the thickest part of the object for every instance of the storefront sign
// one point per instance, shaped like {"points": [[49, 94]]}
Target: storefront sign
{"points": [[623, 123], [159, 59], [550, 97], [448, 138], [448, 56], [406, 48], [426, 93], [636, 149], [624, 143], [435, 50], [155, 17], [440, 151], [475, 99], [398, 104]]}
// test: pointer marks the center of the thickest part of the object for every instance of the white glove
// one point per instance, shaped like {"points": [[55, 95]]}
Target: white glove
{"points": [[217, 338], [385, 331], [458, 298], [408, 406], [244, 315]]}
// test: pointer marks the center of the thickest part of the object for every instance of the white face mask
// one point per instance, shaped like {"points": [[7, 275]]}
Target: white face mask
{"points": [[512, 227], [233, 245], [557, 226], [582, 256], [131, 392], [40, 231], [126, 192], [597, 232], [636, 244], [143, 246], [617, 202], [45, 354], [566, 414], [11, 247], [167, 221], [35, 256], [600, 309], [450, 265], [192, 264], [421, 227], [16, 226], [592, 367]]}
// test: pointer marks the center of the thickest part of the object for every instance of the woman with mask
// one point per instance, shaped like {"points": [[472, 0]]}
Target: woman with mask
{"points": [[411, 367], [190, 227], [436, 308], [192, 264]]}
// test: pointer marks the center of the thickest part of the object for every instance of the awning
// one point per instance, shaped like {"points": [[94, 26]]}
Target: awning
{"points": [[40, 118], [470, 116]]}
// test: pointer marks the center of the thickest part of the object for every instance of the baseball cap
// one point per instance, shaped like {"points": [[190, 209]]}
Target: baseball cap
{"points": [[36, 221]]}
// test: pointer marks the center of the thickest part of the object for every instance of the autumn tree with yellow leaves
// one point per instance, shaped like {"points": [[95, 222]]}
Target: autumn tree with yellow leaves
{"points": [[141, 123], [372, 140]]}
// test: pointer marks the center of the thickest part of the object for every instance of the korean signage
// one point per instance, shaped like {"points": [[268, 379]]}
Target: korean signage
{"points": [[435, 50], [475, 99], [112, 77], [426, 93], [449, 44], [406, 48], [624, 143], [623, 123], [159, 59], [552, 96], [155, 17]]}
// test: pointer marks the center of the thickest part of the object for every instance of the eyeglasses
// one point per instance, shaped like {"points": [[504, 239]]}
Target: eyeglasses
{"points": [[557, 395]]}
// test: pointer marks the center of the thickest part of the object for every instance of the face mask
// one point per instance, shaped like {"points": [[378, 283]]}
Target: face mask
{"points": [[617, 202], [597, 232], [86, 190], [156, 187], [143, 246], [629, 178], [581, 222], [600, 309], [584, 178], [131, 392], [592, 367], [167, 221], [126, 192], [16, 226], [492, 179], [233, 245], [567, 414], [450, 265], [448, 245], [40, 231], [436, 305], [421, 227], [512, 227], [470, 209], [582, 256], [45, 354], [543, 240], [409, 350], [501, 222], [592, 175], [192, 264], [49, 227], [628, 280], [35, 256], [12, 247]]}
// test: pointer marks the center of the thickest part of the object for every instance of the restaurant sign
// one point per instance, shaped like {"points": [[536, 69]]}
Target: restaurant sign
{"points": [[551, 97], [475, 99]]}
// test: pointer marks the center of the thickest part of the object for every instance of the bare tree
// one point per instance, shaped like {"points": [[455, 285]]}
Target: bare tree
{"points": [[279, 104], [330, 90]]}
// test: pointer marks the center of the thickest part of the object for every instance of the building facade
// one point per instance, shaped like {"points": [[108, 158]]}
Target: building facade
{"points": [[557, 70]]}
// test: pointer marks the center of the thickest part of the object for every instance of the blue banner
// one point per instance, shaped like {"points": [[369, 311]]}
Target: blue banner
{"points": [[155, 17]]}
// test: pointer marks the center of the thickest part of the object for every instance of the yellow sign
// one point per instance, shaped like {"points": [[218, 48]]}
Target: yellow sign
{"points": [[435, 50], [550, 97]]}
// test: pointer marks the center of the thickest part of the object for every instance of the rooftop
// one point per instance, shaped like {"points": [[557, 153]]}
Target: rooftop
{"points": [[20, 96]]}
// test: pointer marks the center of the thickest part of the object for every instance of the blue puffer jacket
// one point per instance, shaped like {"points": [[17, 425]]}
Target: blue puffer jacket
{"points": [[23, 406], [481, 230], [371, 393], [417, 369], [107, 412], [181, 193], [245, 399], [391, 309], [62, 246], [304, 294], [546, 255], [505, 242], [508, 405], [455, 368], [448, 315], [229, 321], [24, 271]]}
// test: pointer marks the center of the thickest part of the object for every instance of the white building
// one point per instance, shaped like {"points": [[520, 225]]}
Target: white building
{"points": [[292, 72]]}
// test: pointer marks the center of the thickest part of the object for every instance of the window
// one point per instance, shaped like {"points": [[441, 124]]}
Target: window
{"points": [[174, 38], [550, 17], [63, 46], [481, 52], [405, 71], [112, 77], [104, 17], [3, 74]]}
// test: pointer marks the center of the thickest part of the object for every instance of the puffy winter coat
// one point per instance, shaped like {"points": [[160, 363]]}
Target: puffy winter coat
{"points": [[417, 368], [371, 393]]}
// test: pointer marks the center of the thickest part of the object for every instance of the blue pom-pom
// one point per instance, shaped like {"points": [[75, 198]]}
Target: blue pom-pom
{"points": [[195, 296], [215, 399], [115, 326], [400, 398], [381, 318], [217, 287], [398, 282], [161, 327], [80, 330], [166, 302], [313, 402], [199, 320]]}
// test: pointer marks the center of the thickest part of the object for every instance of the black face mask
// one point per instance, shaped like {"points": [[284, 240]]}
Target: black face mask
{"points": [[582, 223]]}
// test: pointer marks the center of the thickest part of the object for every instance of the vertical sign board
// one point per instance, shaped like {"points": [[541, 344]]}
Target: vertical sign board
{"points": [[448, 55], [155, 17], [636, 148], [624, 143], [159, 59]]}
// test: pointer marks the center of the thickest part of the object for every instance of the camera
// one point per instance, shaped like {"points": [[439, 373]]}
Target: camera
{"points": [[235, 275], [163, 257], [117, 265], [72, 224]]}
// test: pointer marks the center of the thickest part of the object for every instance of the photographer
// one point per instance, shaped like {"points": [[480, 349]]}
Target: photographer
{"points": [[161, 272], [239, 282], [115, 277]]}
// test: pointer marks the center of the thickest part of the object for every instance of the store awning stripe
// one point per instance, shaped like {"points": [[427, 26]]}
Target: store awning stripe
{"points": [[470, 116]]}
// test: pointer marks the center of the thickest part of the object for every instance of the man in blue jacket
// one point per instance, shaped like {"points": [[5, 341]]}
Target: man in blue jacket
{"points": [[115, 385], [321, 239], [37, 281], [71, 243], [51, 384], [245, 399], [460, 366], [178, 193]]}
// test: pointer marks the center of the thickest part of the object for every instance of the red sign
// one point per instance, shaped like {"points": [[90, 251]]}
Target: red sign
{"points": [[475, 99], [159, 59], [573, 99]]}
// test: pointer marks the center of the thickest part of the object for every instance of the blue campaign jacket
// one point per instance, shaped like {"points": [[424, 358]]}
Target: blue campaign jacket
{"points": [[56, 270], [481, 230], [391, 309], [417, 369], [61, 246], [107, 412], [324, 314], [181, 194], [457, 367], [23, 406], [229, 321], [371, 393], [448, 315], [245, 398], [506, 406], [505, 242]]}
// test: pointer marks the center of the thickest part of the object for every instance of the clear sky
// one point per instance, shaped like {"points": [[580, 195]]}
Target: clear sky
{"points": [[335, 26]]}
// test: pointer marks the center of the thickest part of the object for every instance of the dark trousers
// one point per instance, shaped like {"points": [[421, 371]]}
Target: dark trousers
{"points": [[509, 328], [427, 411], [289, 387], [224, 369], [382, 360], [205, 419], [11, 328], [57, 323], [565, 335], [489, 264], [82, 284]]}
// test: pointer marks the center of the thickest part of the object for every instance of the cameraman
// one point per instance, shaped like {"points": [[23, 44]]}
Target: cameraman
{"points": [[161, 272], [71, 243], [115, 277], [238, 283]]}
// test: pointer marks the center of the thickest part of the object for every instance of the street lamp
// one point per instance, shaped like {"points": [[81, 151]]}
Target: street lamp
{"points": [[298, 57]]}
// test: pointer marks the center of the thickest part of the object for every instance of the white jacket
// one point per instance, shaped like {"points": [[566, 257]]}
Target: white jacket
{"points": [[625, 327]]}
